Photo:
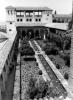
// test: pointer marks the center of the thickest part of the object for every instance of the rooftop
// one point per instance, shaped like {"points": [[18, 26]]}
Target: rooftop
{"points": [[63, 15], [60, 26], [29, 8]]}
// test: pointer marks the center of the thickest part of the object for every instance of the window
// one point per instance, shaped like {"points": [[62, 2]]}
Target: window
{"points": [[39, 19], [21, 20], [10, 22], [36, 20], [10, 30], [29, 20], [40, 13], [48, 14], [29, 14], [36, 13], [17, 13], [22, 13], [26, 19], [17, 20], [9, 12]]}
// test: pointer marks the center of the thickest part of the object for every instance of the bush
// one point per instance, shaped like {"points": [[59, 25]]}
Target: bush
{"points": [[30, 59], [66, 76], [51, 49], [37, 89], [36, 64], [26, 50], [58, 66], [40, 72]]}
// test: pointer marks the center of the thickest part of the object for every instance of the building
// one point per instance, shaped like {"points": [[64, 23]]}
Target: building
{"points": [[62, 18], [28, 20], [23, 22]]}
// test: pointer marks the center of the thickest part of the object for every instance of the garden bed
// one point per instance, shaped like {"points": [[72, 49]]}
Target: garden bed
{"points": [[57, 89], [59, 59], [28, 69]]}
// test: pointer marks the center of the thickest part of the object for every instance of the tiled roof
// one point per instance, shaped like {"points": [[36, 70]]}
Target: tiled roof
{"points": [[29, 8]]}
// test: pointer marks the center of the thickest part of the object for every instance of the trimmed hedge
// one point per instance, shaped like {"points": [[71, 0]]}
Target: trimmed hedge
{"points": [[26, 50], [66, 76]]}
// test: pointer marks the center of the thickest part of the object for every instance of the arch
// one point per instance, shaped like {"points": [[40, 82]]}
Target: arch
{"points": [[42, 33], [37, 33], [30, 33], [23, 34]]}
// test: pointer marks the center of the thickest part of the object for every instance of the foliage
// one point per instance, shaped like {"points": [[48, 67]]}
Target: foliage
{"points": [[66, 76], [63, 42], [51, 49], [25, 49], [40, 72], [30, 59], [66, 57], [37, 89], [58, 66]]}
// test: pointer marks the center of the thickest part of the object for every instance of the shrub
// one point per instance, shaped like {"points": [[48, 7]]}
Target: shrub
{"points": [[30, 59], [58, 66], [51, 49], [37, 89], [26, 50], [40, 72], [36, 64], [66, 76], [32, 90]]}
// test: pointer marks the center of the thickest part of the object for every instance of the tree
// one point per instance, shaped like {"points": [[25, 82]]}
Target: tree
{"points": [[55, 12]]}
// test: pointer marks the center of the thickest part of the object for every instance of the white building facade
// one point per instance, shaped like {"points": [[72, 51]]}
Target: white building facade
{"points": [[29, 14], [27, 17]]}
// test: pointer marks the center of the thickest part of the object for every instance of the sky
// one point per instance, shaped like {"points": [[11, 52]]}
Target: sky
{"points": [[61, 6]]}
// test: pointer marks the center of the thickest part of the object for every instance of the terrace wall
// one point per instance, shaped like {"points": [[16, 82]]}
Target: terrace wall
{"points": [[7, 61]]}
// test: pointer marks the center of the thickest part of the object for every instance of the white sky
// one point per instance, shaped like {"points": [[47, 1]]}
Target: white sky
{"points": [[61, 6]]}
